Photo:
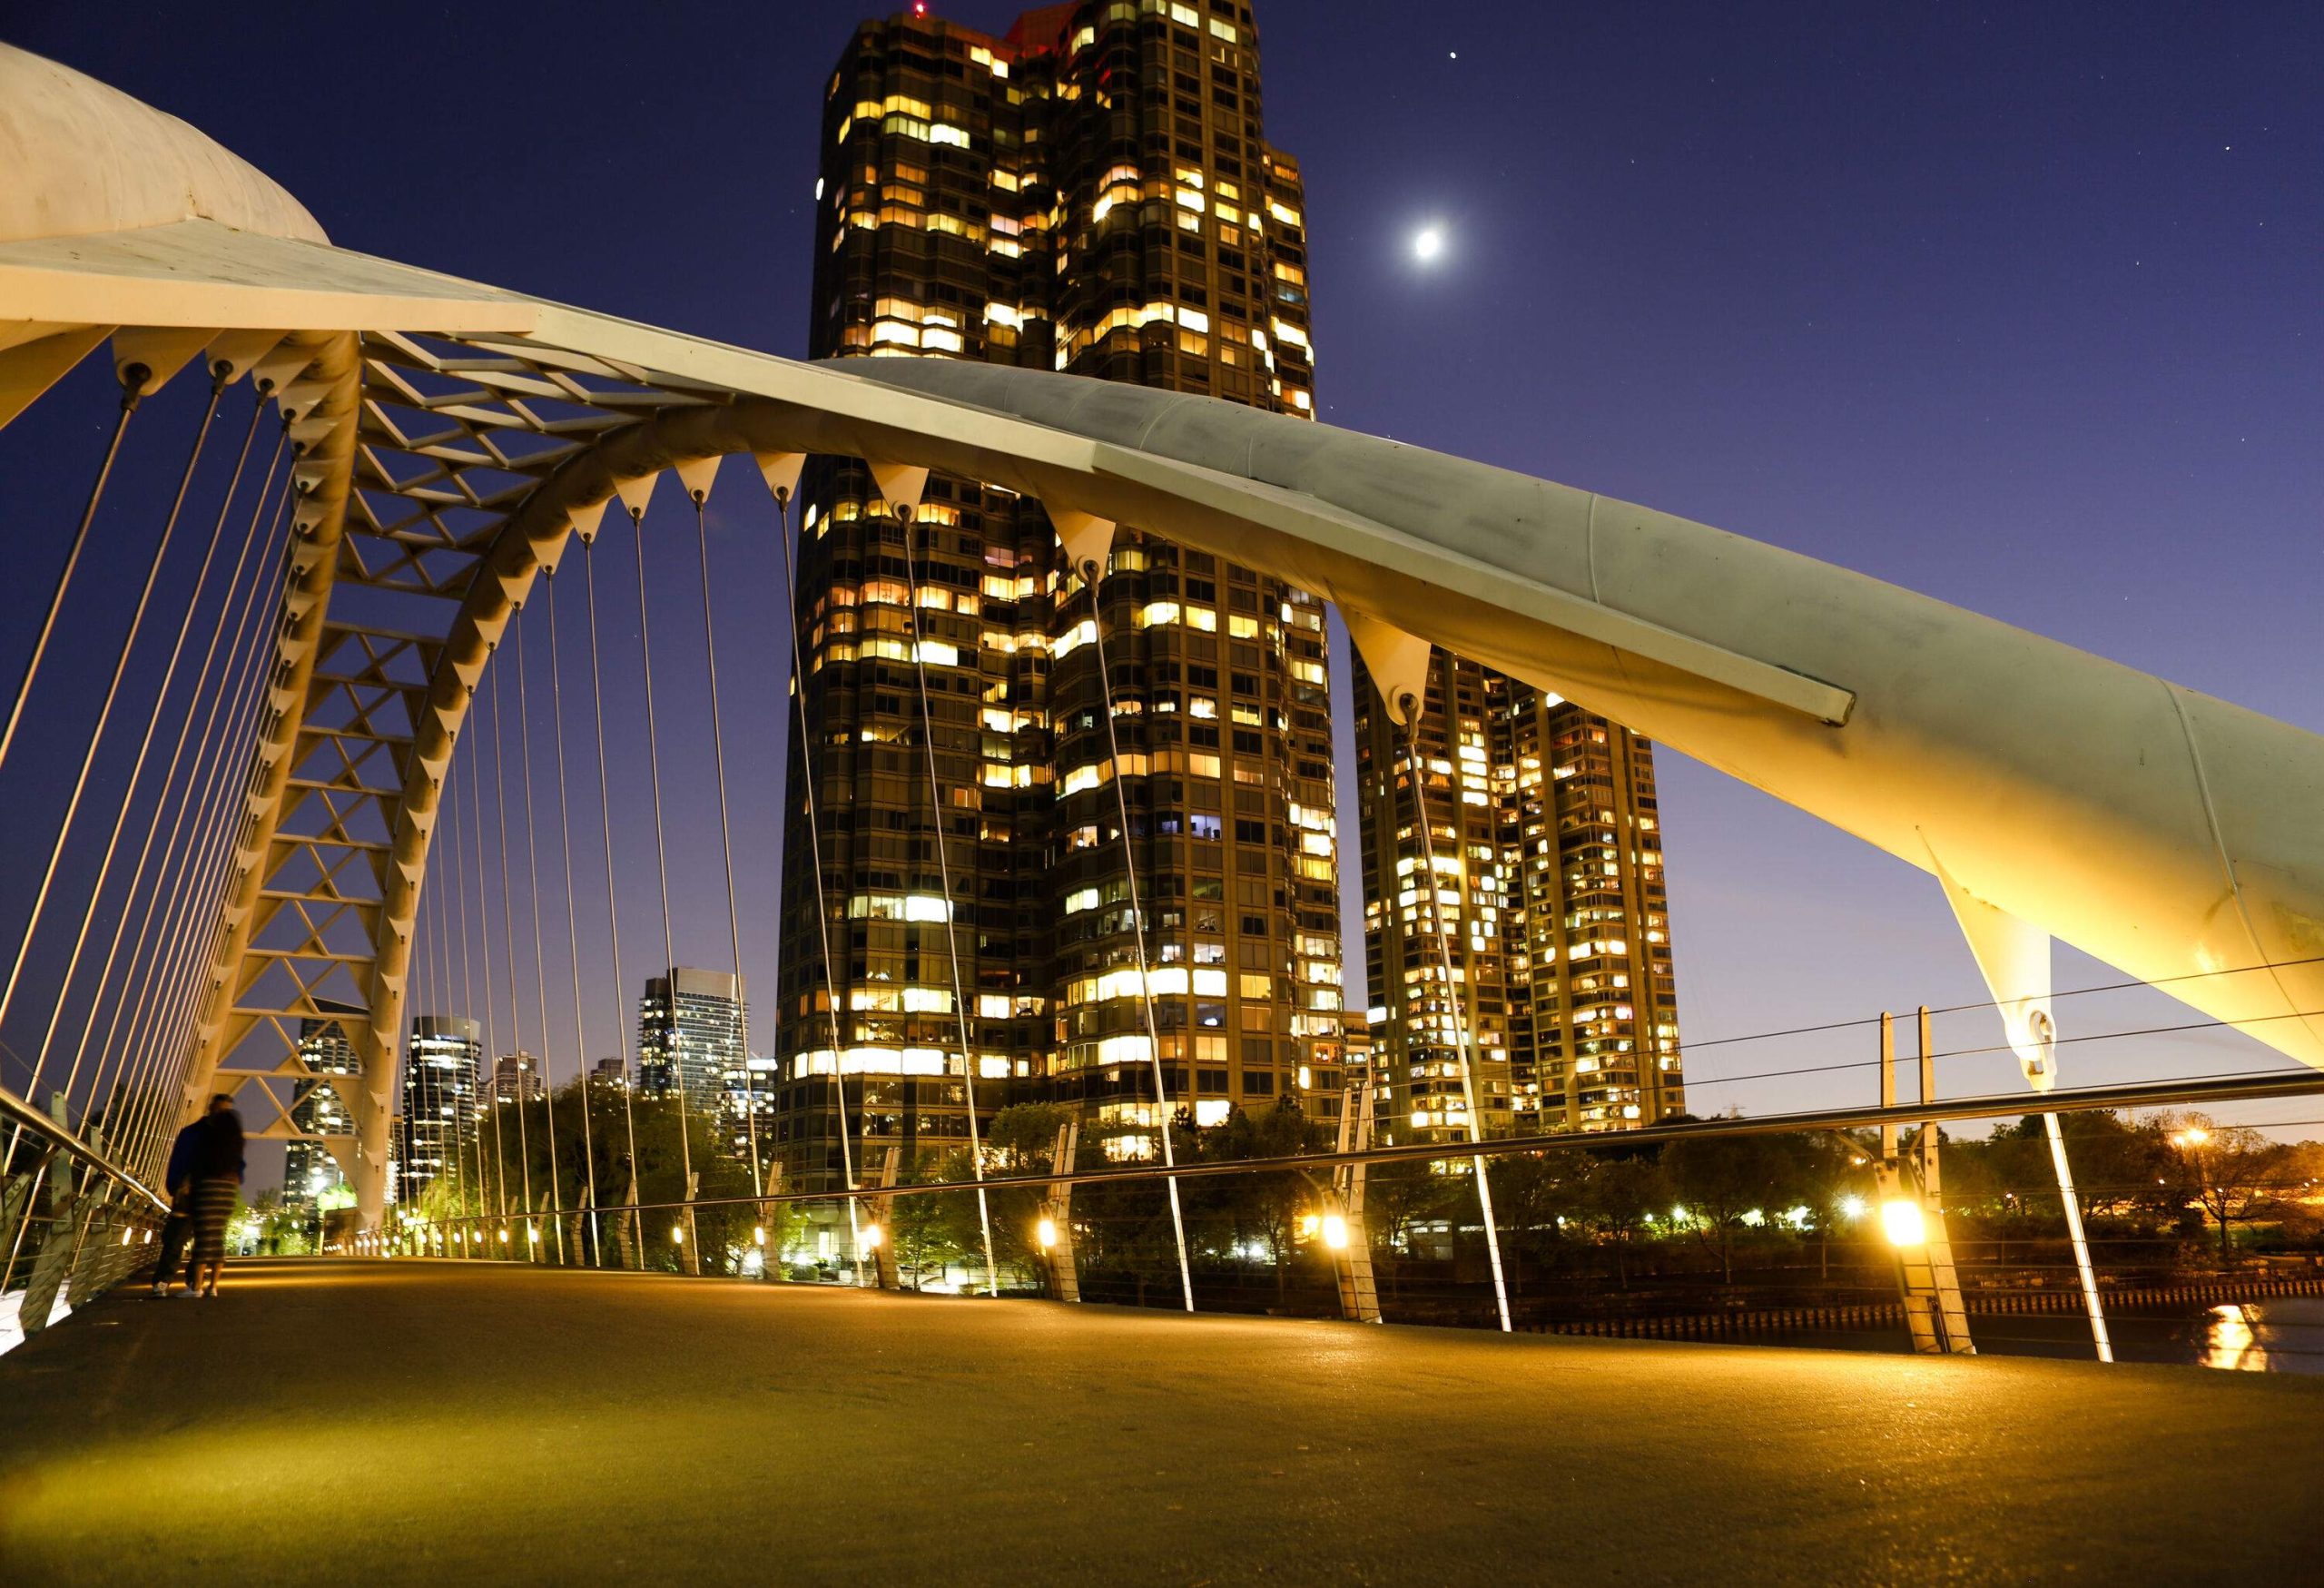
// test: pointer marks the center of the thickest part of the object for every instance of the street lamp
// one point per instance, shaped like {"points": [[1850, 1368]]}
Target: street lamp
{"points": [[1335, 1232], [2192, 1136], [873, 1235], [1904, 1224], [1045, 1233]]}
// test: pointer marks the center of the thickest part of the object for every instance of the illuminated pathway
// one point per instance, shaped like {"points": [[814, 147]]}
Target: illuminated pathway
{"points": [[513, 1424]]}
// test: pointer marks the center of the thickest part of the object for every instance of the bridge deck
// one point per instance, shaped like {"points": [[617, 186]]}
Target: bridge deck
{"points": [[441, 1423]]}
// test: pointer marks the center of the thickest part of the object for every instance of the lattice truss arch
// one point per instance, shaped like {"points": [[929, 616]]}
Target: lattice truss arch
{"points": [[448, 440]]}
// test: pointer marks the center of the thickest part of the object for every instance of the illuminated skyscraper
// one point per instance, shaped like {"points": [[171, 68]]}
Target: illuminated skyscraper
{"points": [[1547, 881], [440, 1063], [692, 1028], [1090, 193], [309, 1169]]}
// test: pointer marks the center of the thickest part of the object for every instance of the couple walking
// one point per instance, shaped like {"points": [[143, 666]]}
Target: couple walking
{"points": [[204, 1181]]}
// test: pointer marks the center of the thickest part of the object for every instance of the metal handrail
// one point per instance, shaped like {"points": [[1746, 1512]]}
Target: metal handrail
{"points": [[15, 1111], [2065, 1100]]}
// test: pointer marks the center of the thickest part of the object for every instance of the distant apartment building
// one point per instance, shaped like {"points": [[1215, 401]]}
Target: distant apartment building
{"points": [[517, 1079], [321, 1109], [693, 1027], [1547, 881]]}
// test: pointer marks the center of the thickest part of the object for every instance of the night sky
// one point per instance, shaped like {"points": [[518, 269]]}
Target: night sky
{"points": [[2015, 306]]}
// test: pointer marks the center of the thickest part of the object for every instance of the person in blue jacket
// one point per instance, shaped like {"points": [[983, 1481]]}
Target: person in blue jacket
{"points": [[177, 1230]]}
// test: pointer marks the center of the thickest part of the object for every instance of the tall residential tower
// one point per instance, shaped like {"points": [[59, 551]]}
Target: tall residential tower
{"points": [[1090, 193]]}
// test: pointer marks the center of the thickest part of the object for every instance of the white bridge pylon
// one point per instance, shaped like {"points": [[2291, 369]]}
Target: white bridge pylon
{"points": [[2050, 793]]}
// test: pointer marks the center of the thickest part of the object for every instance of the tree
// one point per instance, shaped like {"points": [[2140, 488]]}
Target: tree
{"points": [[1259, 1208], [282, 1231], [926, 1229], [2234, 1174], [1619, 1197], [1723, 1180], [516, 1150], [1125, 1226], [1533, 1194], [1397, 1194]]}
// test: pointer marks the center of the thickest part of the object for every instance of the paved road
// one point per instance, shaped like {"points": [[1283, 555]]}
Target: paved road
{"points": [[434, 1423]]}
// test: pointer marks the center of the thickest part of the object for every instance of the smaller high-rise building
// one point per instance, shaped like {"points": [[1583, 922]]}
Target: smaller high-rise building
{"points": [[1523, 928], [746, 1107], [693, 1027], [517, 1079], [610, 1073], [441, 1059], [309, 1167]]}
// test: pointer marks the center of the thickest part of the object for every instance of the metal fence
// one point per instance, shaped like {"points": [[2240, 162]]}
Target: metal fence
{"points": [[74, 1222], [1768, 1228]]}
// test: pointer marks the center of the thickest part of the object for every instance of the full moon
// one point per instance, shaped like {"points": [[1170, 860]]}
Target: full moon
{"points": [[1428, 242]]}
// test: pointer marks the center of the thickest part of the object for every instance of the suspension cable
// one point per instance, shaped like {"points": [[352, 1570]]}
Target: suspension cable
{"points": [[593, 1248], [455, 1149], [104, 712], [944, 877], [145, 743], [497, 1181], [453, 806], [164, 963], [174, 1036], [815, 868], [419, 1086], [726, 841], [146, 877], [672, 1056], [1412, 707], [209, 690], [133, 378], [133, 1098], [443, 876], [196, 858], [484, 937], [175, 984], [1091, 573], [613, 910], [540, 967], [508, 945]]}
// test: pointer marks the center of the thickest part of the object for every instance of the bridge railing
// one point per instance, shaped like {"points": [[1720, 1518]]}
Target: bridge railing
{"points": [[2208, 1245], [73, 1220]]}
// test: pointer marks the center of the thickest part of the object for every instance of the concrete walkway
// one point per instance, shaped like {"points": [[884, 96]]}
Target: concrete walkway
{"points": [[433, 1423]]}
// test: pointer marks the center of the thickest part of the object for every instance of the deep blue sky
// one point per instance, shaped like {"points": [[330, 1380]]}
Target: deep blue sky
{"points": [[2016, 305]]}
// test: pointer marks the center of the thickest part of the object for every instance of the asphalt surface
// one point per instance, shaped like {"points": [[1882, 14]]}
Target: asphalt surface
{"points": [[439, 1422]]}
